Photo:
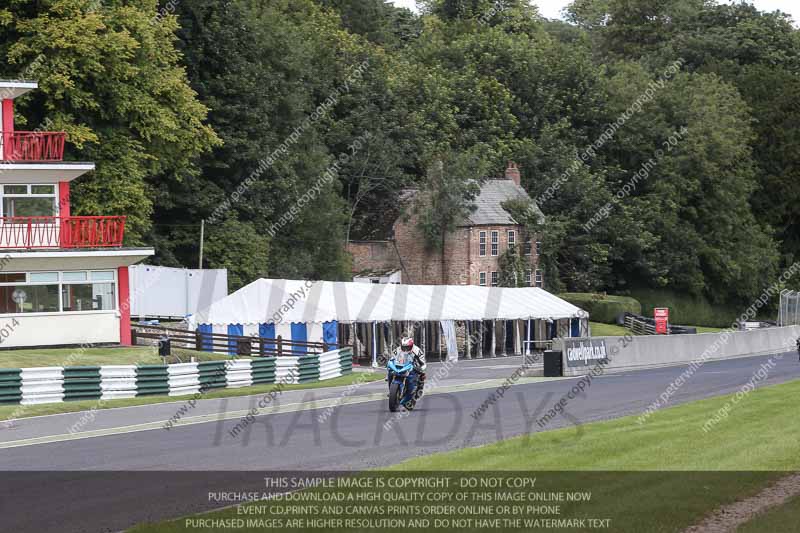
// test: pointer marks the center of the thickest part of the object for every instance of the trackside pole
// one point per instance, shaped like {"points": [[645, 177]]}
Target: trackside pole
{"points": [[374, 344]]}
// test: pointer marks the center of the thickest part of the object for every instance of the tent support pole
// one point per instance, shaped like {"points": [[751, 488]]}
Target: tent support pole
{"points": [[528, 344], [480, 339], [374, 344], [467, 347], [493, 347]]}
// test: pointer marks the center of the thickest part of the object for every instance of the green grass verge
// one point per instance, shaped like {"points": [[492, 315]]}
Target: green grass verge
{"points": [[671, 440], [784, 517], [610, 330], [706, 329], [112, 355], [607, 330], [25, 411], [603, 307]]}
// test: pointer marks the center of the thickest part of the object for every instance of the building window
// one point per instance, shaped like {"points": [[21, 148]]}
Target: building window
{"points": [[482, 243], [538, 278], [38, 292], [495, 242], [526, 245], [512, 238], [528, 274], [482, 279], [495, 279], [29, 201], [29, 298], [538, 248]]}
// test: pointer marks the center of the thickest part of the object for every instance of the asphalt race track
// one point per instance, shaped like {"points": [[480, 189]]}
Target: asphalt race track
{"points": [[302, 431]]}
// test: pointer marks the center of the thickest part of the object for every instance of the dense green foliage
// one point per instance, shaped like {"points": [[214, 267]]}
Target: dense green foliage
{"points": [[685, 309], [659, 138], [603, 307]]}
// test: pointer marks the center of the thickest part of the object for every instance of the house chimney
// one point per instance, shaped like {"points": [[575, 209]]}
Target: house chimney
{"points": [[512, 172]]}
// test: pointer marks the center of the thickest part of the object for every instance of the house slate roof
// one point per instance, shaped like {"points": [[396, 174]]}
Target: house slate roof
{"points": [[489, 203]]}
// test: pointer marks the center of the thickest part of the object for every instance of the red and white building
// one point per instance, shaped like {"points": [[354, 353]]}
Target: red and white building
{"points": [[63, 279]]}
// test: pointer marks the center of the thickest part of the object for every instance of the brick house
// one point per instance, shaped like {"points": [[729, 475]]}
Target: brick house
{"points": [[471, 252]]}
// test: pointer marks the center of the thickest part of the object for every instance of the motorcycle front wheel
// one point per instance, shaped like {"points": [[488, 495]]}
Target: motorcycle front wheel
{"points": [[394, 397]]}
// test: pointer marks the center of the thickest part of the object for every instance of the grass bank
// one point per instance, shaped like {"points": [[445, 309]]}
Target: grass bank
{"points": [[111, 355]]}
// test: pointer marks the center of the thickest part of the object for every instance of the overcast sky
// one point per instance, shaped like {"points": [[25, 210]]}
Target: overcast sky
{"points": [[552, 8]]}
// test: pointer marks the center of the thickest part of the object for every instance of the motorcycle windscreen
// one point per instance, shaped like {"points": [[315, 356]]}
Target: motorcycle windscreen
{"points": [[401, 358]]}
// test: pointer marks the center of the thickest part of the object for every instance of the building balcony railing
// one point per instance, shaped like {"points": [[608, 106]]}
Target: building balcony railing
{"points": [[32, 146], [61, 232]]}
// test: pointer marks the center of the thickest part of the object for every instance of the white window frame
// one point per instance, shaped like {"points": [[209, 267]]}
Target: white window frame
{"points": [[482, 279], [29, 186], [528, 277], [60, 282], [495, 278], [538, 278], [538, 248], [482, 244], [511, 235], [495, 243]]}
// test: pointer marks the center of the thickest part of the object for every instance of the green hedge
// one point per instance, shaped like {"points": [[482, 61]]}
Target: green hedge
{"points": [[687, 310], [602, 307]]}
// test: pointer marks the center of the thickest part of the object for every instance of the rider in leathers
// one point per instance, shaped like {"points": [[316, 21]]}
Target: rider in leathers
{"points": [[407, 347]]}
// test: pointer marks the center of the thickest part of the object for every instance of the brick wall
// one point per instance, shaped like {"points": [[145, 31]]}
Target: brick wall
{"points": [[373, 256], [489, 263]]}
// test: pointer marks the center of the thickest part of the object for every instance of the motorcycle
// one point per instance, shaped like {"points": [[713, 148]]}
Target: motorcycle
{"points": [[403, 383]]}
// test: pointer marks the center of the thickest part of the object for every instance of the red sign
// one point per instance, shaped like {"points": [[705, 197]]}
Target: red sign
{"points": [[661, 315]]}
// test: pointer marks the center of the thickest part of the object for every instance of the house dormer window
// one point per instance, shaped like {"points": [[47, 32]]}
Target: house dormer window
{"points": [[29, 201]]}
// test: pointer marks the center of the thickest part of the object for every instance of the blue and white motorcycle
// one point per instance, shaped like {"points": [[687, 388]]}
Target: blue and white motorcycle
{"points": [[403, 382]]}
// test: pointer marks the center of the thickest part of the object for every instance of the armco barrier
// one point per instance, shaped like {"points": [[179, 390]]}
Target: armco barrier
{"points": [[655, 351], [42, 385], [58, 384]]}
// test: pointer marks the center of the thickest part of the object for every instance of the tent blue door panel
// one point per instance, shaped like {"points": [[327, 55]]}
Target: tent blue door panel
{"points": [[267, 331], [330, 333], [299, 334], [205, 334], [576, 327], [234, 329]]}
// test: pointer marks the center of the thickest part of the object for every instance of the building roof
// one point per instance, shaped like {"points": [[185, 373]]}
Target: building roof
{"points": [[10, 89], [489, 203]]}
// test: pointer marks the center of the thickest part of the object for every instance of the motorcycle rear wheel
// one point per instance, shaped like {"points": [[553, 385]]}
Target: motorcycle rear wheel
{"points": [[394, 397]]}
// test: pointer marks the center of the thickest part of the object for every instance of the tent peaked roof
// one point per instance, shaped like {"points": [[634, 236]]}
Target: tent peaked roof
{"points": [[302, 301]]}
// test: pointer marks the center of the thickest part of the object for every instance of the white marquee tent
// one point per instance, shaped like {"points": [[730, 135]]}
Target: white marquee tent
{"points": [[317, 310]]}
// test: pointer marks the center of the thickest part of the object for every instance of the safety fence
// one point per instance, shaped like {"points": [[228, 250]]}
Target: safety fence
{"points": [[29, 386], [640, 325], [240, 345]]}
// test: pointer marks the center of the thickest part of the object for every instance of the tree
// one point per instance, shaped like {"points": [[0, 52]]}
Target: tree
{"points": [[447, 197], [109, 76]]}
